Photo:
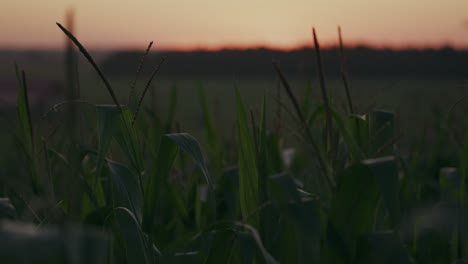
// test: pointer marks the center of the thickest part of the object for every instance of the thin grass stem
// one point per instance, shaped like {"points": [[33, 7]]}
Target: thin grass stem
{"points": [[309, 136], [140, 102], [140, 67], [322, 86]]}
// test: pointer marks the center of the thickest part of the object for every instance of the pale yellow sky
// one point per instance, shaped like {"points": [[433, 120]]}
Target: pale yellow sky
{"points": [[102, 24]]}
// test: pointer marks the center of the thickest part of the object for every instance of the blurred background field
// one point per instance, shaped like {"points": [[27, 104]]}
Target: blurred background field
{"points": [[420, 86]]}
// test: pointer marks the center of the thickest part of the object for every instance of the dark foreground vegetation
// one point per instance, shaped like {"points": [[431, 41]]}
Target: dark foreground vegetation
{"points": [[114, 184]]}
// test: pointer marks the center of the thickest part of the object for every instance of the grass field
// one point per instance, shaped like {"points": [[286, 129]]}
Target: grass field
{"points": [[418, 102], [108, 181]]}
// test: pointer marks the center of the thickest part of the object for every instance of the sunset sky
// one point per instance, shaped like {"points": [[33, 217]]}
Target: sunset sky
{"points": [[213, 24]]}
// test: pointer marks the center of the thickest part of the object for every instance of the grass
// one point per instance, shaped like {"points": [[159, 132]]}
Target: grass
{"points": [[132, 189]]}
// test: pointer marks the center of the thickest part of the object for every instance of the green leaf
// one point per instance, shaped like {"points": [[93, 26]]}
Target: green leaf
{"points": [[211, 135], [167, 154], [386, 173], [24, 114], [128, 139], [138, 248], [107, 118], [262, 155], [354, 205], [248, 170], [210, 131], [353, 148], [190, 146], [125, 188], [26, 128]]}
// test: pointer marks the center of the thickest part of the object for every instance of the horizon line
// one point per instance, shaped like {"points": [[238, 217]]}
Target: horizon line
{"points": [[217, 48]]}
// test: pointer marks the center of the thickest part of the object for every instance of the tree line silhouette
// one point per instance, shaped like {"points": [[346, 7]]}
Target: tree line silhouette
{"points": [[359, 61]]}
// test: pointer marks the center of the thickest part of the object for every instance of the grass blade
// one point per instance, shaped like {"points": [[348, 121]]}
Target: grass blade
{"points": [[262, 155], [128, 138], [190, 146], [322, 86], [107, 119], [248, 170], [26, 127], [343, 72], [140, 66], [91, 61], [136, 243], [323, 165], [165, 159], [23, 110], [148, 84], [357, 187], [125, 187]]}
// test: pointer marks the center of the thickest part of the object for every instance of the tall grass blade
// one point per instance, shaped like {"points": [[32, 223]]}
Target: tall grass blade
{"points": [[26, 127], [322, 163], [248, 170], [328, 125], [343, 72], [356, 153], [23, 111], [91, 61], [211, 134], [140, 67], [262, 155], [147, 86], [254, 130], [210, 130], [346, 86]]}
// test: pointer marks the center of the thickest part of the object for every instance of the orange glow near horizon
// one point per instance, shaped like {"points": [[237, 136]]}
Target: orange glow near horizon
{"points": [[216, 24]]}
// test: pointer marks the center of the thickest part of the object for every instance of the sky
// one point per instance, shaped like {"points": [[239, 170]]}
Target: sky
{"points": [[215, 24]]}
